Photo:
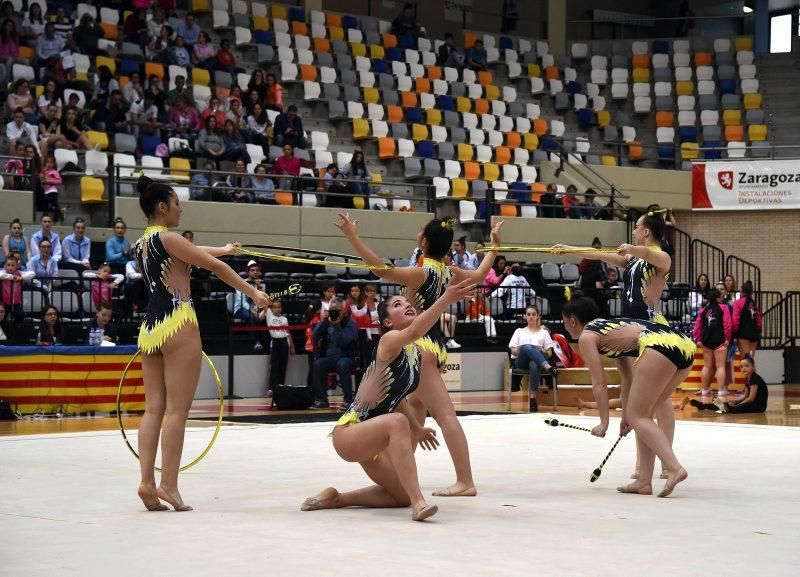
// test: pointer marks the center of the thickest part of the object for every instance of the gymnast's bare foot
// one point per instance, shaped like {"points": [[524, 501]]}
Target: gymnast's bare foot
{"points": [[672, 481], [683, 403], [149, 496], [637, 488], [173, 497], [457, 490], [422, 511], [582, 404], [325, 499]]}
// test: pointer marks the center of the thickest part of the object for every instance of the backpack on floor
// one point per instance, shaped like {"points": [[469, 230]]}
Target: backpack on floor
{"points": [[288, 398], [6, 412]]}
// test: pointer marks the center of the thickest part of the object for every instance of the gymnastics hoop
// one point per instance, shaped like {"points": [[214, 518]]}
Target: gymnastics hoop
{"points": [[219, 418], [302, 260], [548, 250]]}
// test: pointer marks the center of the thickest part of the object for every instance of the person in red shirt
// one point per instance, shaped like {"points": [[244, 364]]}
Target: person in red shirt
{"points": [[287, 164], [225, 59]]}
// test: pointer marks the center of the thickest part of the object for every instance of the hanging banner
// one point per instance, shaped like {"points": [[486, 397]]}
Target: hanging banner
{"points": [[452, 374], [746, 185]]}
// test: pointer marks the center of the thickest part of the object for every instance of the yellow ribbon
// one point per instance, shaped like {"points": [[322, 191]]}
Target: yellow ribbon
{"points": [[302, 260]]}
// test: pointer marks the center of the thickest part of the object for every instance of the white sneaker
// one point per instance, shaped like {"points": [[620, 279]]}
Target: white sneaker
{"points": [[452, 344]]}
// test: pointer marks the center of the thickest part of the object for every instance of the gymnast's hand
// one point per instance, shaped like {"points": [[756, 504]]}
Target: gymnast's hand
{"points": [[459, 291], [624, 249], [231, 248], [624, 428], [261, 299], [495, 235], [558, 249], [347, 226], [427, 439], [600, 430]]}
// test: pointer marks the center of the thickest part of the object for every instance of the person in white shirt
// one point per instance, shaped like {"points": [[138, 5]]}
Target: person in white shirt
{"points": [[135, 289], [461, 258], [281, 347], [19, 131], [46, 232], [518, 290], [530, 348]]}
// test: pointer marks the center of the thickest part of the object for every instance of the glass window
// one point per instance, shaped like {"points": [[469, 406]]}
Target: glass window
{"points": [[780, 33]]}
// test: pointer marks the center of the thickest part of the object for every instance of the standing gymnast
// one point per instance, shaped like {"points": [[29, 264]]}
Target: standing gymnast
{"points": [[663, 360], [371, 433], [424, 285], [646, 270], [169, 338]]}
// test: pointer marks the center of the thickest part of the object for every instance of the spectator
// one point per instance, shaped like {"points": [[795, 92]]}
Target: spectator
{"points": [[746, 321], [118, 248], [242, 307], [712, 331], [476, 56], [340, 196], [11, 279], [116, 117], [63, 24], [86, 36], [235, 145], [104, 85], [133, 90], [51, 183], [405, 24], [755, 395], [33, 25], [591, 284], [590, 206], [52, 330], [181, 55], [209, 141], [159, 49], [143, 116], [236, 114], [289, 165], [273, 98], [9, 47], [462, 258], [549, 204], [448, 53], [103, 283], [510, 17], [43, 265], [476, 307], [134, 29], [46, 232], [699, 295], [609, 212], [76, 248], [357, 169], [20, 132], [258, 85], [312, 317], [531, 348], [16, 241], [214, 109], [185, 119], [169, 7], [50, 96], [334, 342], [364, 314], [102, 322], [20, 97], [189, 29], [226, 60], [155, 23], [501, 269], [289, 129], [180, 90], [7, 329], [159, 98], [281, 346], [257, 125], [71, 134], [572, 208], [135, 290], [203, 52], [730, 294], [199, 187], [726, 300], [264, 187], [516, 287], [611, 284], [239, 183]]}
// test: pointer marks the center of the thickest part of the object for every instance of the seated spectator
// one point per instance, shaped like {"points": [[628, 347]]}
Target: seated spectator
{"points": [[143, 116], [102, 322], [462, 258], [135, 290], [550, 204], [239, 182], [289, 129], [236, 114], [590, 206], [86, 35], [46, 232], [611, 286], [264, 187], [20, 132], [199, 187], [405, 23], [214, 109], [103, 283], [203, 52], [159, 49], [9, 47], [518, 290], [19, 96], [105, 83], [335, 338], [756, 394], [273, 98], [62, 23], [116, 117], [16, 241], [76, 248], [189, 29], [185, 119], [71, 134], [50, 96], [134, 28], [448, 53], [52, 331], [241, 306], [609, 212], [159, 97], [257, 125], [531, 348], [226, 60], [357, 169], [33, 25], [118, 248], [11, 280], [289, 165], [235, 145], [334, 184], [209, 142], [169, 7], [475, 56], [43, 266], [133, 90], [180, 90], [572, 207], [180, 55], [258, 85], [7, 329], [155, 23]]}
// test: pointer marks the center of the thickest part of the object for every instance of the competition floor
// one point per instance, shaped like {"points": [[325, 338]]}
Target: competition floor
{"points": [[69, 505]]}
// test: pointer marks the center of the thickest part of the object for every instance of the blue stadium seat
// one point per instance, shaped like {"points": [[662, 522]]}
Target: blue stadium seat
{"points": [[574, 87], [585, 118], [380, 67], [414, 116], [712, 154], [666, 151], [149, 144], [506, 43], [727, 87], [482, 210], [349, 22], [297, 14], [395, 54], [426, 149], [687, 134], [128, 67], [660, 47], [445, 102], [519, 191], [407, 43], [262, 37], [548, 143]]}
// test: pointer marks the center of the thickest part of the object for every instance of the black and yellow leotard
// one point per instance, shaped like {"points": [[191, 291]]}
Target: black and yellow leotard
{"points": [[677, 347], [638, 280], [384, 385], [167, 278], [438, 276]]}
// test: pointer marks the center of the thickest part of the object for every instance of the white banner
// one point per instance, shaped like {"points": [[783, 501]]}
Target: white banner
{"points": [[746, 185], [452, 377]]}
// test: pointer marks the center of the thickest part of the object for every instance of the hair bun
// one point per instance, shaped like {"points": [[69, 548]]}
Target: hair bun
{"points": [[143, 183]]}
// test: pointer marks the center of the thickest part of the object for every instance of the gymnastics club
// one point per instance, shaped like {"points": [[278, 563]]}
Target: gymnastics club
{"points": [[292, 290], [596, 473], [555, 423]]}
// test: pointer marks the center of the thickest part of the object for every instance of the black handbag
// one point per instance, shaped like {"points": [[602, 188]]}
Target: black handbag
{"points": [[288, 398]]}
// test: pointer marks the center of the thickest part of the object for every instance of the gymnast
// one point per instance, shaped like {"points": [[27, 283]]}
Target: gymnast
{"points": [[663, 360], [424, 285], [379, 430], [169, 338]]}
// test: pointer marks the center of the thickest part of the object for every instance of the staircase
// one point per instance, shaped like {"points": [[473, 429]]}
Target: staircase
{"points": [[779, 77]]}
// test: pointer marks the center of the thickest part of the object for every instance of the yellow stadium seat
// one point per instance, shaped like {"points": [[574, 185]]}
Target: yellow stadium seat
{"points": [[508, 209], [463, 104], [96, 138], [92, 190], [491, 172], [371, 95], [39, 90], [336, 33], [201, 5], [200, 76], [603, 118], [757, 132], [260, 23], [752, 100], [690, 150], [684, 88], [641, 75], [608, 160], [106, 61], [358, 49], [492, 92], [376, 52], [743, 43], [465, 151], [419, 132], [433, 117], [731, 117], [359, 202], [386, 147], [279, 11], [360, 128], [459, 188], [530, 141], [534, 71]]}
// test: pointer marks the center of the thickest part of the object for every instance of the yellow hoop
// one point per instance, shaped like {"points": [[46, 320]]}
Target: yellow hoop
{"points": [[219, 418], [302, 260], [544, 249]]}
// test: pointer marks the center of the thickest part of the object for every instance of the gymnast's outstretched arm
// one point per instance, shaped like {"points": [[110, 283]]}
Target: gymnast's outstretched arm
{"points": [[218, 251], [607, 257]]}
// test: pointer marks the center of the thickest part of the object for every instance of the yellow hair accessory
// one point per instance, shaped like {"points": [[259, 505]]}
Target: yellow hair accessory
{"points": [[655, 212], [567, 293], [448, 223]]}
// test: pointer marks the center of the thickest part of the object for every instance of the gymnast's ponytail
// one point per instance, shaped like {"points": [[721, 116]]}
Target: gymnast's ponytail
{"points": [[439, 234], [151, 193]]}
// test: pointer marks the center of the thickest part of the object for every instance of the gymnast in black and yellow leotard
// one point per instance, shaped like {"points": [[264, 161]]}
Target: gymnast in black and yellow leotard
{"points": [[643, 282], [438, 275], [379, 431], [169, 338]]}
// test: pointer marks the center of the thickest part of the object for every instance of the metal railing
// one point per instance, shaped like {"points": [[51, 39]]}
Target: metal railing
{"points": [[708, 259], [743, 270]]}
